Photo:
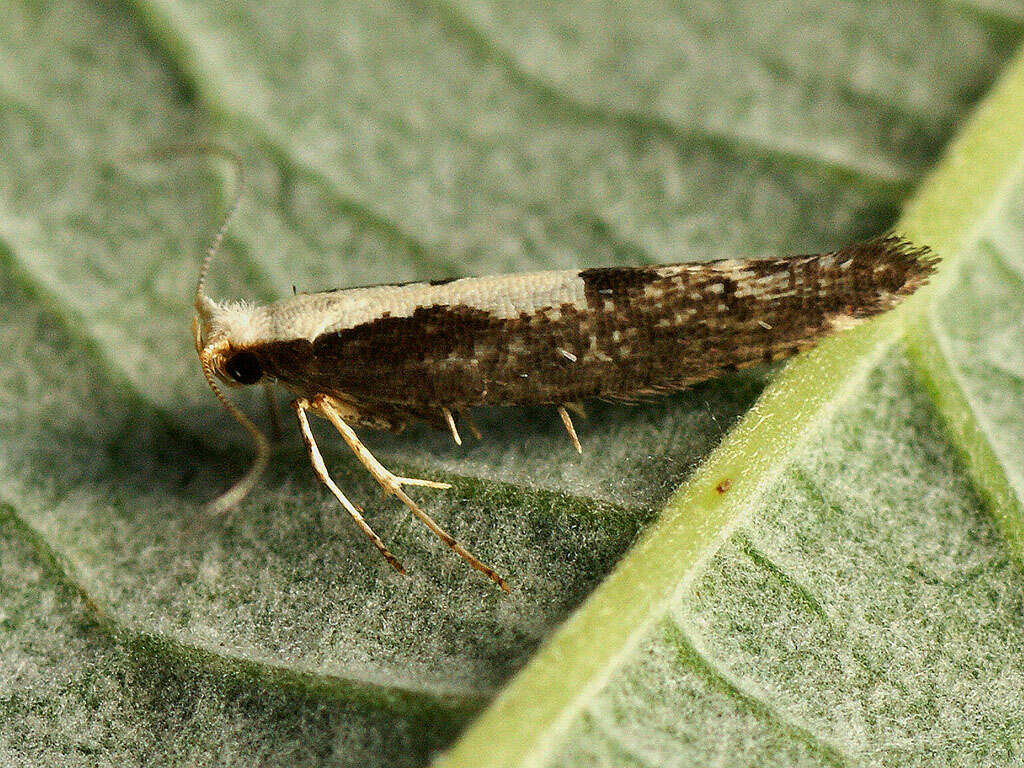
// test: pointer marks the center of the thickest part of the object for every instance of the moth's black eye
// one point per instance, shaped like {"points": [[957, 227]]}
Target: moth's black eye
{"points": [[244, 368]]}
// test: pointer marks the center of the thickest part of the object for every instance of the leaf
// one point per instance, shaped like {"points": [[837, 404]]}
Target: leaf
{"points": [[386, 142], [73, 690]]}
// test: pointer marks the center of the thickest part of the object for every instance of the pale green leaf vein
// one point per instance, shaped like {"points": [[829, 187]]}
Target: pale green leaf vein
{"points": [[698, 659], [887, 177]]}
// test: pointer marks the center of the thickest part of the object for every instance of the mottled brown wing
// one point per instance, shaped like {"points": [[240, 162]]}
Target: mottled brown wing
{"points": [[638, 331]]}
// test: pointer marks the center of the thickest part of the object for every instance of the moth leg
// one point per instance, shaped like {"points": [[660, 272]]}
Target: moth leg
{"points": [[567, 421], [577, 408], [393, 484], [320, 469], [474, 430], [450, 421]]}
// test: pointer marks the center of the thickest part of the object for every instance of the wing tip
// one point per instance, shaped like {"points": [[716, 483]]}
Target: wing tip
{"points": [[914, 263]]}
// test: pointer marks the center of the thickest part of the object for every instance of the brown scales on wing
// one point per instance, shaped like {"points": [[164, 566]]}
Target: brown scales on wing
{"points": [[642, 331]]}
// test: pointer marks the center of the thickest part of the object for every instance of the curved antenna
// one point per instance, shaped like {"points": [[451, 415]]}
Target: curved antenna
{"points": [[245, 484], [218, 238], [201, 149]]}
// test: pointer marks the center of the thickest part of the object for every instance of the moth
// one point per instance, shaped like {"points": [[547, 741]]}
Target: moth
{"points": [[386, 356]]}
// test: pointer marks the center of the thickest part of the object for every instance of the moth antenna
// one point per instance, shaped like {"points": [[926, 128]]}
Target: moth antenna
{"points": [[218, 238], [245, 484], [200, 149], [240, 489]]}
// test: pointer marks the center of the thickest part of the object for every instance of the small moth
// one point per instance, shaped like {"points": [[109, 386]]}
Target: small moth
{"points": [[387, 355]]}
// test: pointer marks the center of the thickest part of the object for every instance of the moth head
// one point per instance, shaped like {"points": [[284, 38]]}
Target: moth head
{"points": [[223, 335]]}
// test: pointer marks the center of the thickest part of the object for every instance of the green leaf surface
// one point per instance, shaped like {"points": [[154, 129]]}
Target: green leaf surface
{"points": [[389, 141], [851, 619], [967, 346], [75, 693]]}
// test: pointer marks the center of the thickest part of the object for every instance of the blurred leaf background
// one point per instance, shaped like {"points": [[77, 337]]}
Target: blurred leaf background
{"points": [[858, 601]]}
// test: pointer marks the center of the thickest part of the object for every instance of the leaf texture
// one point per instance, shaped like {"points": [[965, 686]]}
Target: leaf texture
{"points": [[390, 141]]}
